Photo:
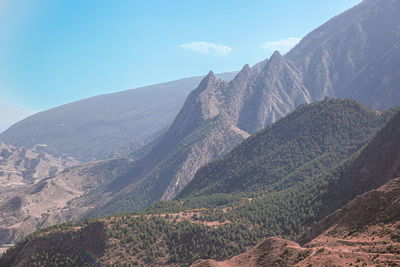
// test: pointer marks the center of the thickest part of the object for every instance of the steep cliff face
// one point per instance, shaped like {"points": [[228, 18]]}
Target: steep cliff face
{"points": [[276, 91], [353, 55], [252, 100], [19, 165]]}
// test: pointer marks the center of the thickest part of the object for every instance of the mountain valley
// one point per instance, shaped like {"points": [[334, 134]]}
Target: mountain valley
{"points": [[219, 226]]}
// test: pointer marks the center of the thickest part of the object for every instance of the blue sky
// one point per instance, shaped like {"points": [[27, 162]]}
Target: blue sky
{"points": [[53, 51]]}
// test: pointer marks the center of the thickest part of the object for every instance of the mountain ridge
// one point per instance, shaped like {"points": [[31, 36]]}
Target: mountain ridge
{"points": [[96, 127], [11, 115]]}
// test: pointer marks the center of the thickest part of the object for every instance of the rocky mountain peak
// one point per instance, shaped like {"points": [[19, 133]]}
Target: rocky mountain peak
{"points": [[208, 80], [276, 58], [242, 78], [257, 68], [210, 74], [274, 63], [246, 69]]}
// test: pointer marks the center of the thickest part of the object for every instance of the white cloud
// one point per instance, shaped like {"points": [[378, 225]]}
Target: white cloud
{"points": [[282, 46], [207, 48]]}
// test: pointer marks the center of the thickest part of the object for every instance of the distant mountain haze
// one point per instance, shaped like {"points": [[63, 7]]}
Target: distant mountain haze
{"points": [[96, 127], [11, 115]]}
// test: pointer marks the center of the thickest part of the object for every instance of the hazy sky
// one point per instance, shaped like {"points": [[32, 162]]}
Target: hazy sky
{"points": [[53, 51]]}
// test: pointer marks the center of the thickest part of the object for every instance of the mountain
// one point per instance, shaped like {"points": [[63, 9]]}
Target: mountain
{"points": [[365, 231], [341, 58], [352, 55], [311, 139], [338, 59], [11, 115], [96, 127], [216, 116], [355, 54]]}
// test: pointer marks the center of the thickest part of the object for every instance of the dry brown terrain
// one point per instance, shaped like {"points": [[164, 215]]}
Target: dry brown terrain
{"points": [[20, 166], [39, 190]]}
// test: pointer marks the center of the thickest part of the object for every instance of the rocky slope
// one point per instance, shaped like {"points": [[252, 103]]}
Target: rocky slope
{"points": [[21, 169], [73, 192], [94, 128], [354, 55], [61, 197], [365, 231], [26, 166]]}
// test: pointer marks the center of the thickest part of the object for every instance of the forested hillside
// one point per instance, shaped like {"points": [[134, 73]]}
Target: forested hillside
{"points": [[306, 142], [365, 231]]}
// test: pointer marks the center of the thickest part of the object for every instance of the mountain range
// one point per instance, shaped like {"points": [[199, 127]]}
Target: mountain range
{"points": [[218, 115], [352, 55], [266, 153]]}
